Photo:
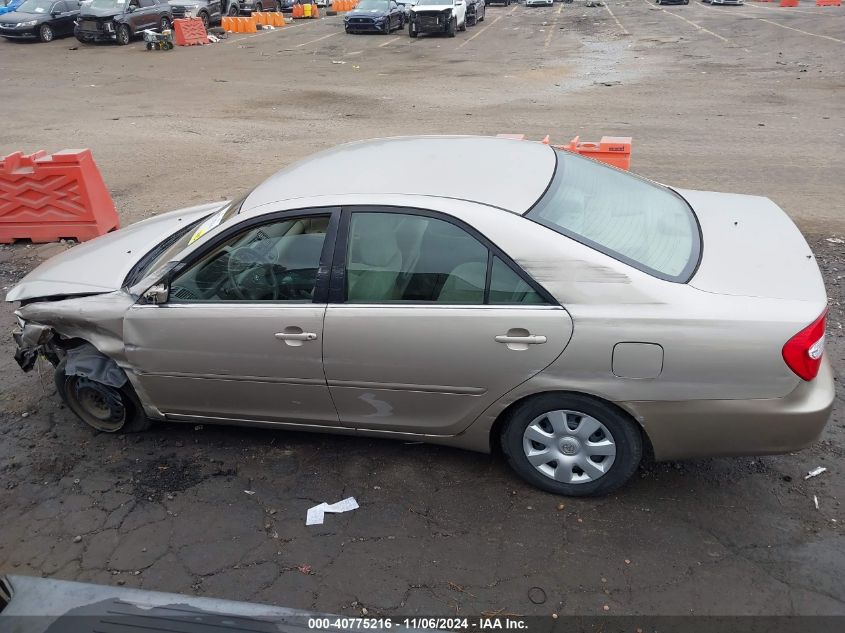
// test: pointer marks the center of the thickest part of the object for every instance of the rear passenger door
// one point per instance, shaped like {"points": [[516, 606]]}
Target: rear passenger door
{"points": [[428, 323], [147, 15]]}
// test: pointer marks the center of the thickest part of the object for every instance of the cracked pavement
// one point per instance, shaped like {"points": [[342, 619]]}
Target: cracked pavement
{"points": [[438, 531]]}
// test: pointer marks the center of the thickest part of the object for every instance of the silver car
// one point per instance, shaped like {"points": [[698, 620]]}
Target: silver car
{"points": [[568, 312]]}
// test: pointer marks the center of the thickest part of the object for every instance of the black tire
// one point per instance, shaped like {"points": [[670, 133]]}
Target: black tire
{"points": [[278, 6], [71, 388], [453, 26], [164, 24], [123, 35], [149, 46], [233, 11], [412, 30], [206, 21], [45, 33], [625, 434], [259, 8], [386, 29]]}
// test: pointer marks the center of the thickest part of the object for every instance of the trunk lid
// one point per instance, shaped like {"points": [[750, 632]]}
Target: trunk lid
{"points": [[752, 248], [100, 265]]}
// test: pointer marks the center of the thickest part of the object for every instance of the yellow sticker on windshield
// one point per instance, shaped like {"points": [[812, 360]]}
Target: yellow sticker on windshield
{"points": [[206, 226]]}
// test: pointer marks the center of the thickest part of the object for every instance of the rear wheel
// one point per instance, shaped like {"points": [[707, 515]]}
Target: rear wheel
{"points": [[233, 11], [123, 35], [102, 407], [45, 33], [572, 444], [205, 20]]}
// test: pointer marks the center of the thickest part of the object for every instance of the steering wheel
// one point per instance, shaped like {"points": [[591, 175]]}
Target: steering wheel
{"points": [[252, 274]]}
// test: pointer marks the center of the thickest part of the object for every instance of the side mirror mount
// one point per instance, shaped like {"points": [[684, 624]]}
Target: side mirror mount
{"points": [[157, 294]]}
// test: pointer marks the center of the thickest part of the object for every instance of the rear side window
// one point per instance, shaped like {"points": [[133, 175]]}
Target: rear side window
{"points": [[626, 217]]}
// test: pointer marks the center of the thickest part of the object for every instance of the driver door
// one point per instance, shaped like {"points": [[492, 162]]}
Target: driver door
{"points": [[240, 336]]}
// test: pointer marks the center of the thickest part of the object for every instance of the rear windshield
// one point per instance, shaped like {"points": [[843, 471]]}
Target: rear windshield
{"points": [[621, 215]]}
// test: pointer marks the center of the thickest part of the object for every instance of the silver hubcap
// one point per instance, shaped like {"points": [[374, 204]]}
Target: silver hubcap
{"points": [[569, 446]]}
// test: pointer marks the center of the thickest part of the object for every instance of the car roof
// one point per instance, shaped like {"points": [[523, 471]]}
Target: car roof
{"points": [[504, 173]]}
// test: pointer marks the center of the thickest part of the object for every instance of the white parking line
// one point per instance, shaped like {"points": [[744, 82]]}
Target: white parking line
{"points": [[325, 37], [553, 27], [395, 39], [783, 26], [791, 9], [624, 30], [480, 31], [690, 22]]}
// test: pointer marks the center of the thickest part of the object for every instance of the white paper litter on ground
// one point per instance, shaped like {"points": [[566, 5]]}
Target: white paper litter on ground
{"points": [[316, 514], [815, 472]]}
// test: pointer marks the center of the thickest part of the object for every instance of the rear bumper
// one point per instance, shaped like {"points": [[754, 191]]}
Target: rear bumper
{"points": [[714, 428]]}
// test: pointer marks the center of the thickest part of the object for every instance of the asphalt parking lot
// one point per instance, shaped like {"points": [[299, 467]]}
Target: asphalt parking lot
{"points": [[748, 99]]}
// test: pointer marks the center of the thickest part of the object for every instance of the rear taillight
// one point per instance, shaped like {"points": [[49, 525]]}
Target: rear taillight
{"points": [[803, 352]]}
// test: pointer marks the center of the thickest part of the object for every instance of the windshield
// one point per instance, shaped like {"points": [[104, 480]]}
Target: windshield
{"points": [[170, 248], [35, 6], [108, 4], [621, 215], [372, 4]]}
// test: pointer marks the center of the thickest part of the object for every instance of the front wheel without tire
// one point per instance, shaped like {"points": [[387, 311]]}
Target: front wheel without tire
{"points": [[102, 407], [572, 445]]}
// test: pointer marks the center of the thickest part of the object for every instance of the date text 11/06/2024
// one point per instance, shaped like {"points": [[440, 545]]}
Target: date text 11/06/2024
{"points": [[447, 624]]}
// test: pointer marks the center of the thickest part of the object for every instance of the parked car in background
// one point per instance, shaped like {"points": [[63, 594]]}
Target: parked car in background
{"points": [[569, 312], [476, 10], [539, 3], [507, 3], [41, 19], [121, 20], [669, 1], [438, 16], [406, 7], [734, 2], [7, 6], [375, 16], [209, 11]]}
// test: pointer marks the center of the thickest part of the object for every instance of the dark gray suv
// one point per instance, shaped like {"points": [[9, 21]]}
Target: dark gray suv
{"points": [[120, 20]]}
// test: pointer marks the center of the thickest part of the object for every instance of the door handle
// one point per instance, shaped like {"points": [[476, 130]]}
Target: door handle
{"points": [[531, 339], [296, 336]]}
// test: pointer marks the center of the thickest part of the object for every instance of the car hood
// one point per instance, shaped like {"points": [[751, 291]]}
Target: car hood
{"points": [[367, 13], [100, 265], [91, 12], [427, 8], [14, 17]]}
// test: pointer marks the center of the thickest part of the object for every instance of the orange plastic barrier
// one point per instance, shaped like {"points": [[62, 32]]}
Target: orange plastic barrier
{"points": [[298, 11], [189, 32], [789, 3], [828, 3], [46, 198], [613, 150], [315, 12]]}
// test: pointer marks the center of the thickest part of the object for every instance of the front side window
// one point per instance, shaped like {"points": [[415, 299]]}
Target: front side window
{"points": [[626, 217], [398, 257], [270, 262]]}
